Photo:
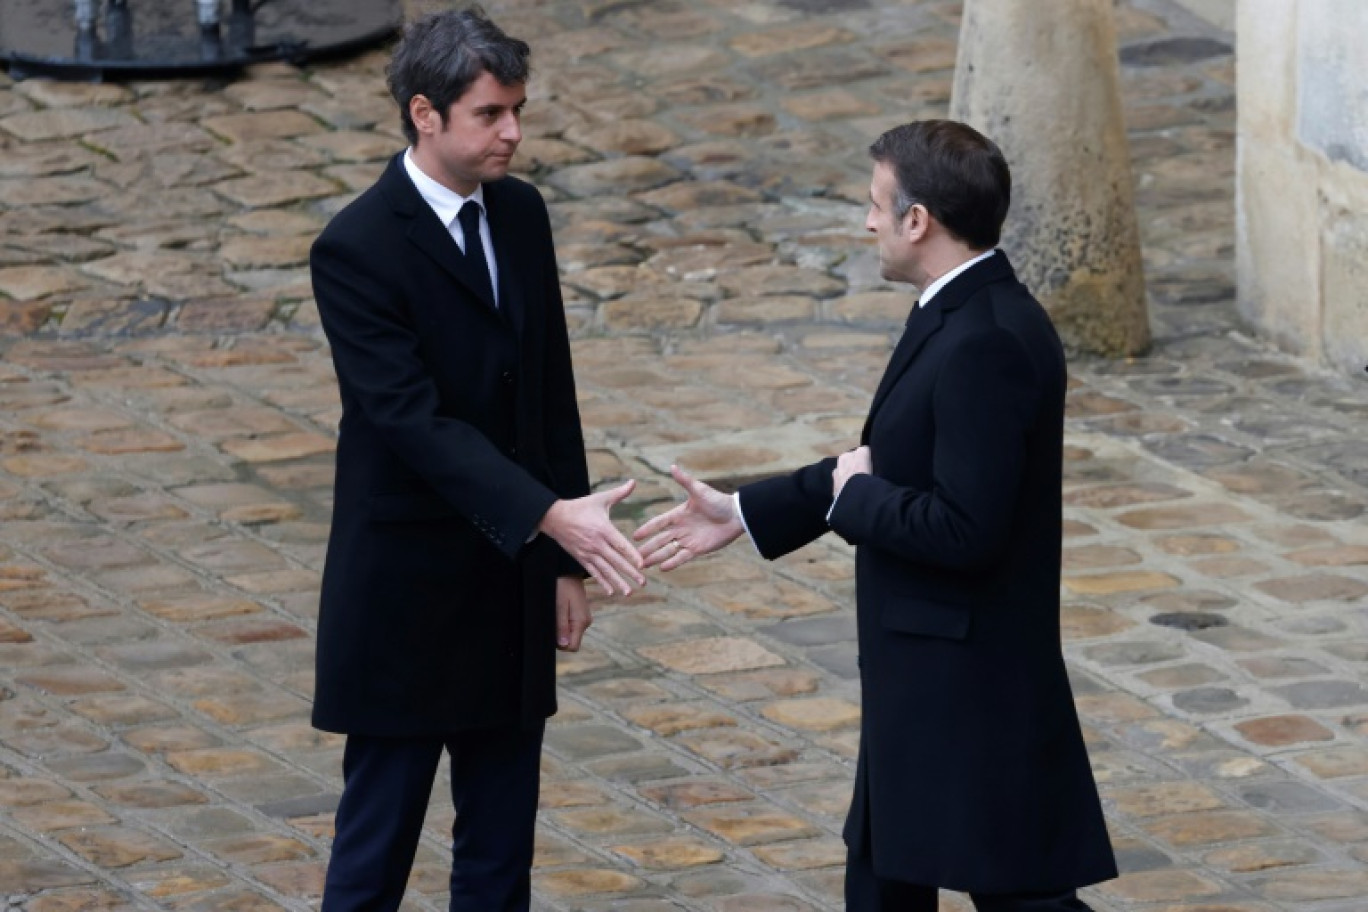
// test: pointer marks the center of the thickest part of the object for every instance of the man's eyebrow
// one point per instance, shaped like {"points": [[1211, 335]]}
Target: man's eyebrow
{"points": [[494, 106]]}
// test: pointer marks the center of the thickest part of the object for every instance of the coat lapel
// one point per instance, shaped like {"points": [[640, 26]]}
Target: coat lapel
{"points": [[924, 322], [508, 253], [426, 232]]}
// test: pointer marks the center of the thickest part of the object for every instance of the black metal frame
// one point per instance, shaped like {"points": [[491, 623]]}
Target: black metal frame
{"points": [[182, 37]]}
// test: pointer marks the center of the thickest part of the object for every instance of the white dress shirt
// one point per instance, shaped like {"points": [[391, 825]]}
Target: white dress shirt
{"points": [[934, 288], [447, 204], [927, 294]]}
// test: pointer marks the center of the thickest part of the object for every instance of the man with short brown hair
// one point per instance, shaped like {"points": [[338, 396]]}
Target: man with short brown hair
{"points": [[972, 773]]}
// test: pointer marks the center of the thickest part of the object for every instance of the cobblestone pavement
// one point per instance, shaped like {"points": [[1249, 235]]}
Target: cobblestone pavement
{"points": [[167, 419]]}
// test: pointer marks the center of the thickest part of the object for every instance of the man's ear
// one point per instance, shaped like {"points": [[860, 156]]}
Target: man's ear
{"points": [[916, 222], [426, 120]]}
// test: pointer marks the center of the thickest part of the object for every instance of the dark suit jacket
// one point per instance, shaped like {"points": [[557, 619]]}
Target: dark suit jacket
{"points": [[972, 771], [459, 429]]}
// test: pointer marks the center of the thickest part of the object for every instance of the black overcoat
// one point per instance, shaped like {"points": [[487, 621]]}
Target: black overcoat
{"points": [[459, 429], [972, 771]]}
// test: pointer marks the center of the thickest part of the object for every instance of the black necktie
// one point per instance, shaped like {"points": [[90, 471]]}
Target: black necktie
{"points": [[469, 218]]}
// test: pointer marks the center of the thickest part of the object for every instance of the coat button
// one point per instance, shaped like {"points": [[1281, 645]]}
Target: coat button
{"points": [[507, 378], [513, 451]]}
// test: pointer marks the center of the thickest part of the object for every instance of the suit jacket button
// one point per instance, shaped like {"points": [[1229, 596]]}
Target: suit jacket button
{"points": [[513, 451], [507, 377]]}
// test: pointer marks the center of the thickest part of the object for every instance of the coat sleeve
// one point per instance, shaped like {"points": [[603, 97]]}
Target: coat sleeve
{"points": [[785, 513], [376, 354], [984, 404]]}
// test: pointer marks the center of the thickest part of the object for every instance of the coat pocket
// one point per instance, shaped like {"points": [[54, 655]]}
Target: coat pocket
{"points": [[911, 615], [408, 506]]}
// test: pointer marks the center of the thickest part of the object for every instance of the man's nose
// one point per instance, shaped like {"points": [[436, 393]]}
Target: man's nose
{"points": [[511, 130]]}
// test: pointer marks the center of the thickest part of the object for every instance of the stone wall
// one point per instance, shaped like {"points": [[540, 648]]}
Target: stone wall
{"points": [[1302, 184], [1220, 13]]}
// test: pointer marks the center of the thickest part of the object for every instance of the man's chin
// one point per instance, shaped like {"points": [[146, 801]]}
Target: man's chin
{"points": [[888, 274], [496, 168]]}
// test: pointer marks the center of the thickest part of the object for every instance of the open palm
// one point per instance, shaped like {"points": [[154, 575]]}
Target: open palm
{"points": [[702, 524]]}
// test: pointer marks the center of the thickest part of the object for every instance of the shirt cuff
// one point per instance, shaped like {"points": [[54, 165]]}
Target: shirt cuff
{"points": [[832, 508], [736, 507]]}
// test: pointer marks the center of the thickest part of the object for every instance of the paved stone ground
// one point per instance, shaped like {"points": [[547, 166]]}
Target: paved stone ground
{"points": [[166, 427]]}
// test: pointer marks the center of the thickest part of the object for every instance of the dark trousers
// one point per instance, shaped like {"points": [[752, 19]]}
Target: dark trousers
{"points": [[495, 777], [865, 891]]}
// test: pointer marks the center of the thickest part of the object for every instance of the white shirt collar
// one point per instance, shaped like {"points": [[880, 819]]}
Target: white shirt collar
{"points": [[931, 290], [444, 201]]}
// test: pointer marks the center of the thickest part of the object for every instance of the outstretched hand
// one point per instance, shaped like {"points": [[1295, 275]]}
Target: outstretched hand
{"points": [[702, 524], [583, 528]]}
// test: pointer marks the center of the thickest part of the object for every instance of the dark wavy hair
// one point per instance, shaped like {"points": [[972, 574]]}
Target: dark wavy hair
{"points": [[957, 173], [442, 54]]}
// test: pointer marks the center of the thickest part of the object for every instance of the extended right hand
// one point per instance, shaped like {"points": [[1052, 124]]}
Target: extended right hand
{"points": [[583, 528], [700, 525]]}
